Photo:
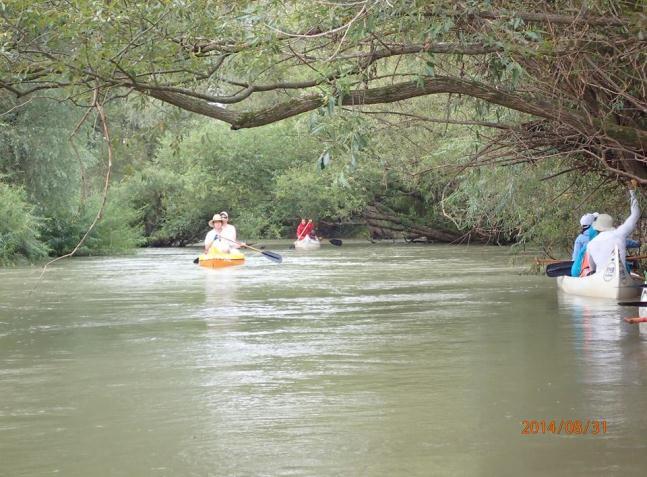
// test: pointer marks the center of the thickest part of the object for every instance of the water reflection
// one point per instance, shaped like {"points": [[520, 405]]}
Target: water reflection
{"points": [[602, 338], [220, 286], [642, 312], [609, 355], [595, 319]]}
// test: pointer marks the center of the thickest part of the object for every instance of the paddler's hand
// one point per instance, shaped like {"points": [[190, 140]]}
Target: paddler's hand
{"points": [[633, 185]]}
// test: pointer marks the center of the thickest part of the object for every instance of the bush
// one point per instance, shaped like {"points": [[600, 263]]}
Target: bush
{"points": [[117, 231], [19, 227]]}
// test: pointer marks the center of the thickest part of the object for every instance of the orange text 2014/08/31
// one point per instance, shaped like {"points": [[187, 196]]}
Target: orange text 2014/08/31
{"points": [[564, 426]]}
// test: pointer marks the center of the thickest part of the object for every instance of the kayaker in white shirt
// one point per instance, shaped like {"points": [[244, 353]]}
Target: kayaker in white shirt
{"points": [[229, 231], [213, 236], [601, 247]]}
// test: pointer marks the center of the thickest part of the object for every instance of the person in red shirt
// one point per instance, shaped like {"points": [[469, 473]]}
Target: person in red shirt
{"points": [[309, 230], [300, 228]]}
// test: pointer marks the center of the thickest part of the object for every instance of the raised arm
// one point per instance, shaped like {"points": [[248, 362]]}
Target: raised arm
{"points": [[630, 224]]}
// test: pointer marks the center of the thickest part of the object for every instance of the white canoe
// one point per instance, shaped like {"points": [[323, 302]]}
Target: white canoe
{"points": [[612, 281], [642, 312], [307, 244]]}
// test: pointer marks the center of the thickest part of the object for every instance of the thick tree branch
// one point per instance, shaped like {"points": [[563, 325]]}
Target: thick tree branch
{"points": [[204, 46], [629, 137], [395, 49], [367, 58], [488, 124], [533, 17], [376, 218]]}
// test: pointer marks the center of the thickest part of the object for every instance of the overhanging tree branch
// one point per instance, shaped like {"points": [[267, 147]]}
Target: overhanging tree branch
{"points": [[534, 17], [487, 124], [627, 136]]}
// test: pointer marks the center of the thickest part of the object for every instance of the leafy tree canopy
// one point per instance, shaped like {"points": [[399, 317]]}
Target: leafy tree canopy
{"points": [[574, 68]]}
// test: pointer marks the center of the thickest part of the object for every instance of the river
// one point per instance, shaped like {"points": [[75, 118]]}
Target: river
{"points": [[354, 360]]}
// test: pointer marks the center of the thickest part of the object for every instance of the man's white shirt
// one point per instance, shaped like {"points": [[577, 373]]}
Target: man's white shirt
{"points": [[222, 245], [229, 232]]}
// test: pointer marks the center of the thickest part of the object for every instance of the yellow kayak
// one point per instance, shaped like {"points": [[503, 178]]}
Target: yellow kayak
{"points": [[216, 259]]}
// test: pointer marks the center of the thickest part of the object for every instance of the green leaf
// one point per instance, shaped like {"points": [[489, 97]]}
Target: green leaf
{"points": [[331, 106], [430, 70]]}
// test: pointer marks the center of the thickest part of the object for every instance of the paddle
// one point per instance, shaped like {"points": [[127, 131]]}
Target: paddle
{"points": [[275, 257], [632, 303], [636, 320], [550, 261], [306, 231], [300, 236], [546, 261], [559, 269], [563, 269], [335, 242]]}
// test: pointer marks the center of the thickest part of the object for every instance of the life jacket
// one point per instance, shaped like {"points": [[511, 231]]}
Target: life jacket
{"points": [[586, 266], [307, 230], [576, 269]]}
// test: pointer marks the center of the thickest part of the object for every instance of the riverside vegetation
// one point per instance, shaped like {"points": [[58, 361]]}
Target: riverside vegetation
{"points": [[492, 122]]}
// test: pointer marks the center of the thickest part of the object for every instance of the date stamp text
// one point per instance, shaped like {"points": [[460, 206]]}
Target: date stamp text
{"points": [[569, 427]]}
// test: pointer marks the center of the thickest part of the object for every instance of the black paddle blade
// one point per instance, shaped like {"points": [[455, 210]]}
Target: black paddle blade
{"points": [[632, 303], [275, 257], [335, 242], [559, 269], [197, 260]]}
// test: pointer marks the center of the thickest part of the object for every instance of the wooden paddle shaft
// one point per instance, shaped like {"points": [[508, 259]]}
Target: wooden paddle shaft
{"points": [[251, 248], [240, 244], [549, 261]]}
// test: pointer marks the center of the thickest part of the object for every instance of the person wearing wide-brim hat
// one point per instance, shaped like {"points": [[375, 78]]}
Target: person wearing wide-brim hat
{"points": [[601, 247], [213, 236]]}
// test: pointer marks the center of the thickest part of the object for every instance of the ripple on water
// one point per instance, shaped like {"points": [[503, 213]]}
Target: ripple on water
{"points": [[392, 360]]}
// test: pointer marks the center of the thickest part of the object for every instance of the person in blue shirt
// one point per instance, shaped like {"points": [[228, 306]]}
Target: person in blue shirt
{"points": [[576, 268], [583, 238]]}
